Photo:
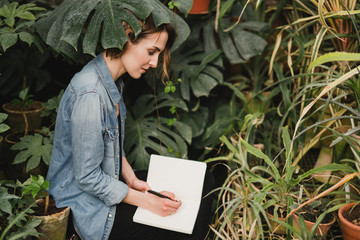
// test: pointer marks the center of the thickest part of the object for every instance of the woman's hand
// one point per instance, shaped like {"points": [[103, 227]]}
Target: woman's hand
{"points": [[163, 206]]}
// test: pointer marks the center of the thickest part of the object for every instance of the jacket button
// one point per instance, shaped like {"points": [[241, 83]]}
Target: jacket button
{"points": [[116, 176], [110, 215]]}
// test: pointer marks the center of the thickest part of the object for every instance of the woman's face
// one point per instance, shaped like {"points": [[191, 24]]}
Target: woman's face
{"points": [[143, 54]]}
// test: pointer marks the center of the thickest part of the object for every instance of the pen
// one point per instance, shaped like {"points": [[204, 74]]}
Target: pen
{"points": [[159, 194]]}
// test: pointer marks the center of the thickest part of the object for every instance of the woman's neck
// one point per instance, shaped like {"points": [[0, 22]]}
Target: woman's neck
{"points": [[115, 66]]}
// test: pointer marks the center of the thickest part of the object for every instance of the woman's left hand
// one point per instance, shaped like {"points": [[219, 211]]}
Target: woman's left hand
{"points": [[140, 185]]}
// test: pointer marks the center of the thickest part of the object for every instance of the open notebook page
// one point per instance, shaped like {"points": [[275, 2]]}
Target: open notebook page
{"points": [[185, 178]]}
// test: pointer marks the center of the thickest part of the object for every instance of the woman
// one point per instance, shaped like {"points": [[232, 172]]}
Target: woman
{"points": [[88, 170]]}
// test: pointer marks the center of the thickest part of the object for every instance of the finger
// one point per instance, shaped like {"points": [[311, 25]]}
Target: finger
{"points": [[172, 204], [168, 194]]}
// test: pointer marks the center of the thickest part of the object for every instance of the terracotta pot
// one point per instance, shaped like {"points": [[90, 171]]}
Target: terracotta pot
{"points": [[321, 230], [324, 158], [16, 118], [349, 230], [53, 226], [280, 228], [200, 7]]}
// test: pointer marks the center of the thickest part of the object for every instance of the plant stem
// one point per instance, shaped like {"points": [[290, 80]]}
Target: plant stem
{"points": [[26, 123], [47, 199]]}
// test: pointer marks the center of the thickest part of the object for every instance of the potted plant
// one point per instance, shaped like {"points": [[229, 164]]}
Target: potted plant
{"points": [[283, 184], [20, 216], [239, 208], [53, 220], [315, 214], [17, 201], [21, 58], [349, 215], [24, 112], [31, 153]]}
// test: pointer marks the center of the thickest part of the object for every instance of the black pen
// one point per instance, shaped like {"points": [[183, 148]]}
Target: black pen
{"points": [[159, 195]]}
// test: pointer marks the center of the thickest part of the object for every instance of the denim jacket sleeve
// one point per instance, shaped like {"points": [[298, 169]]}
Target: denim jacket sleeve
{"points": [[88, 151]]}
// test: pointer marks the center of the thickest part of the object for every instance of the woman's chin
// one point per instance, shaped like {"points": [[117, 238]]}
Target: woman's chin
{"points": [[136, 76]]}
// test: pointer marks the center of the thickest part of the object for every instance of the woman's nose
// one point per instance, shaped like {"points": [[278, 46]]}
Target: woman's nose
{"points": [[154, 62]]}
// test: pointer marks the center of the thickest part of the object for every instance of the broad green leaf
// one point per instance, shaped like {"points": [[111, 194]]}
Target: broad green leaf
{"points": [[32, 148], [5, 204], [7, 40], [196, 120], [97, 23], [8, 11], [239, 44], [229, 49], [184, 6], [26, 37], [146, 133], [29, 229], [200, 71], [184, 130], [203, 84], [3, 117], [4, 127], [248, 43], [52, 105], [207, 59], [26, 15]]}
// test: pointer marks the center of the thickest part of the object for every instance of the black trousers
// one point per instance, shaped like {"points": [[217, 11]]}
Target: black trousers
{"points": [[125, 229]]}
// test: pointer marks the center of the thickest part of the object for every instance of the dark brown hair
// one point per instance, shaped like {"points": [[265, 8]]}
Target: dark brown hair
{"points": [[148, 27]]}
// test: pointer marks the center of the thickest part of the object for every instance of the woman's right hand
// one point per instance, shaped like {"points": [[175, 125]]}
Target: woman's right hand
{"points": [[163, 206]]}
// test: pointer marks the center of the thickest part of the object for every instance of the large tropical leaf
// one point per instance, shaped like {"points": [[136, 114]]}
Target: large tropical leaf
{"points": [[240, 44], [199, 67], [83, 26], [146, 133]]}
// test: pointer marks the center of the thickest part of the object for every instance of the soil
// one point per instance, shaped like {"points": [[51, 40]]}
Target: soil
{"points": [[281, 214], [31, 107], [354, 215], [311, 218], [39, 210]]}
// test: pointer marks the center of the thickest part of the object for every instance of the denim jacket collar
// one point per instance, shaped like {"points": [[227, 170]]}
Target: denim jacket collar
{"points": [[108, 81]]}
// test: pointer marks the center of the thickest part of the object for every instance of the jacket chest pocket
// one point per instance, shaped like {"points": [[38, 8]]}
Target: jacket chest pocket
{"points": [[110, 141]]}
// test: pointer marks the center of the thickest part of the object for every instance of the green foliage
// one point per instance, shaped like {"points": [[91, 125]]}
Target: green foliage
{"points": [[37, 186], [239, 201], [283, 181], [25, 99], [172, 4], [75, 26], [34, 148], [51, 106], [3, 127], [242, 40], [16, 203], [199, 71], [15, 21], [146, 133]]}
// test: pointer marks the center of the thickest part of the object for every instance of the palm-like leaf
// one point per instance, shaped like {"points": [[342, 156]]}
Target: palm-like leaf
{"points": [[200, 71], [85, 25], [146, 133]]}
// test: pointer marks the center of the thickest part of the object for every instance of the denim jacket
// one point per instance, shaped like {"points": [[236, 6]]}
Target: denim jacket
{"points": [[84, 166]]}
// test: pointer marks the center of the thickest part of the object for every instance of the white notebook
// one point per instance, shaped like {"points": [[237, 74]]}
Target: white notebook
{"points": [[185, 178]]}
